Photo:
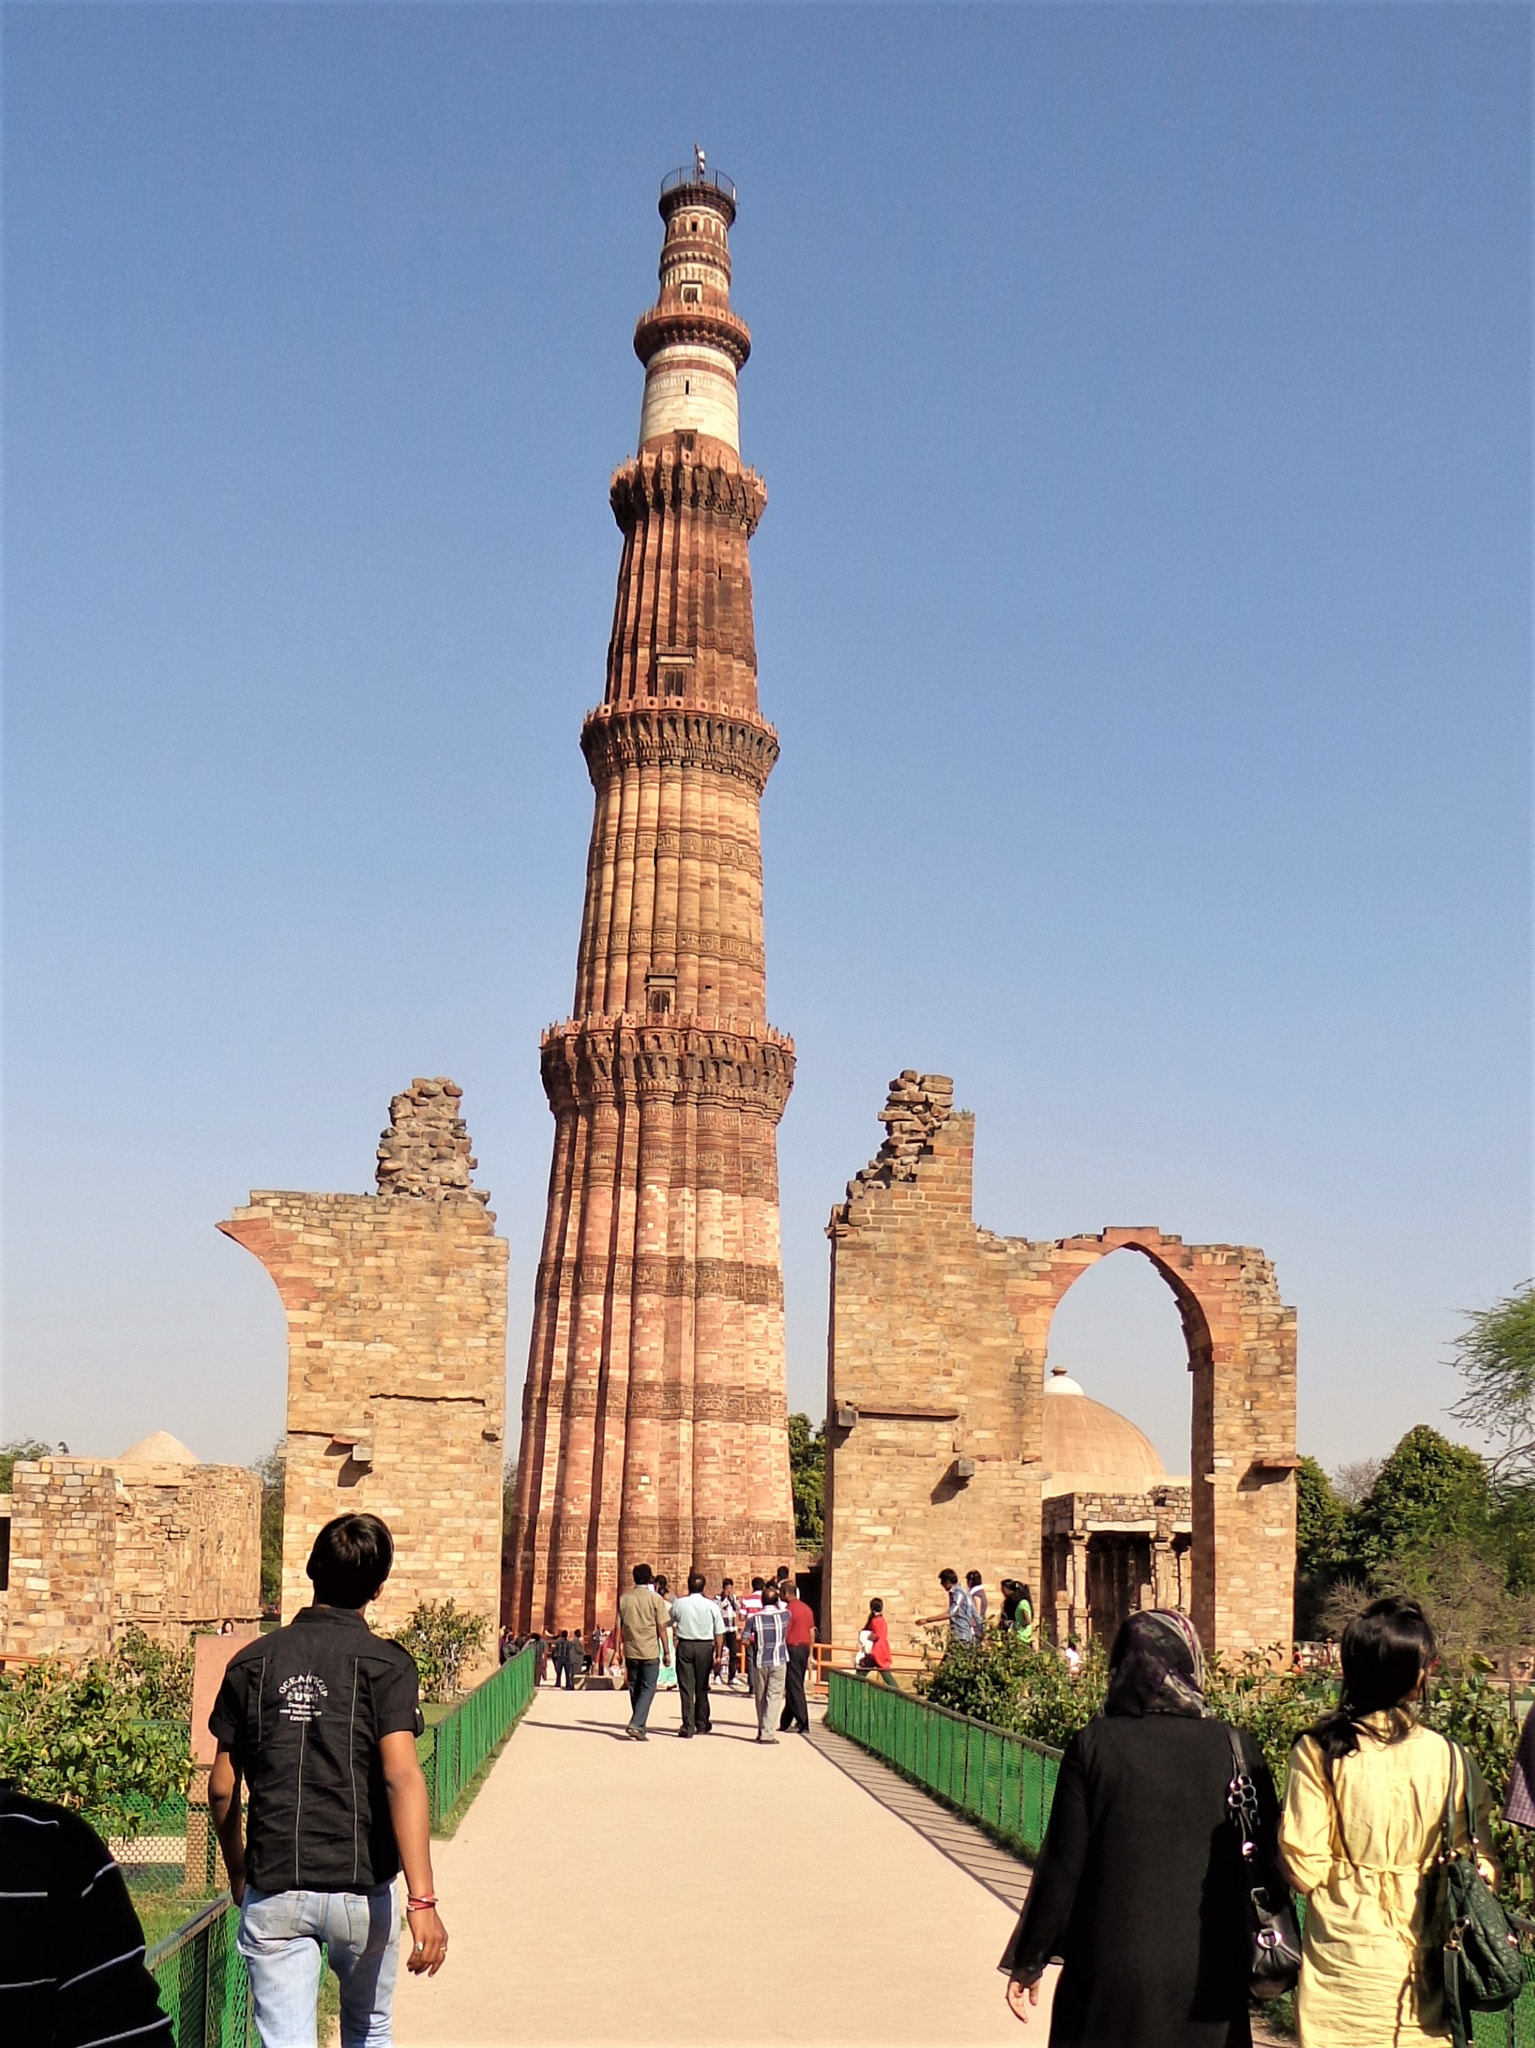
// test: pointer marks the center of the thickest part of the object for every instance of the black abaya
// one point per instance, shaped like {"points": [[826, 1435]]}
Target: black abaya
{"points": [[1138, 1890]]}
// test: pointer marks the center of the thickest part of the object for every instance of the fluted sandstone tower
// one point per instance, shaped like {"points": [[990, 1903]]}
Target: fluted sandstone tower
{"points": [[654, 1411]]}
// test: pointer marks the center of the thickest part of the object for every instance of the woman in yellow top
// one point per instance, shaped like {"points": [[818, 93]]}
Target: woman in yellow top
{"points": [[1363, 1824]]}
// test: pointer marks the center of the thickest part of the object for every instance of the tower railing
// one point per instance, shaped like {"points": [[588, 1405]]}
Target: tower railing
{"points": [[689, 174]]}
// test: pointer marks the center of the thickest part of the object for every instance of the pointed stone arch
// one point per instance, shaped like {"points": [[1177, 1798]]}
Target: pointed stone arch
{"points": [[1241, 1344], [935, 1385]]}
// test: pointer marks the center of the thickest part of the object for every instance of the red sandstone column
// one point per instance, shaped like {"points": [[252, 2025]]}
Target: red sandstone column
{"points": [[653, 1416]]}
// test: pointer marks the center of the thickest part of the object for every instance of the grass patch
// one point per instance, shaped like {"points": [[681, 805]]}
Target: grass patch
{"points": [[162, 1912]]}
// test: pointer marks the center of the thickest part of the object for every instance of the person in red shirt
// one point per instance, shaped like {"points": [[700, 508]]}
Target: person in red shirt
{"points": [[874, 1646], [798, 1639]]}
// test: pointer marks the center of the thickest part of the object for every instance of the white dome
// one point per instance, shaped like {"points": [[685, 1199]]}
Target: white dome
{"points": [[1088, 1448], [160, 1448]]}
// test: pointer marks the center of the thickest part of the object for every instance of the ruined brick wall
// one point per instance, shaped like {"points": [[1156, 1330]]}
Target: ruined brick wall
{"points": [[63, 1517], [931, 1314], [396, 1309], [925, 1355], [98, 1547], [187, 1548]]}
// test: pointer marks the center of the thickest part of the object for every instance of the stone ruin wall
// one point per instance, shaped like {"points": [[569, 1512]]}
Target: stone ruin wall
{"points": [[98, 1547], [396, 1313], [936, 1351], [925, 1355], [188, 1544]]}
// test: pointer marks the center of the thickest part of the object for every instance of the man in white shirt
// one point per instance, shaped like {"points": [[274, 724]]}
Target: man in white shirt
{"points": [[730, 1608], [698, 1626]]}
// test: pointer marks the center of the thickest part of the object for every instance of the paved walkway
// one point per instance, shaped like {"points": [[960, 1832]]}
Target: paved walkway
{"points": [[722, 1895]]}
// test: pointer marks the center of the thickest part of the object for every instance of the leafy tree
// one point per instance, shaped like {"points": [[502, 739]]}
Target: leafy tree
{"points": [[442, 1641], [1495, 1354], [21, 1450], [1323, 1541], [1428, 1491], [273, 1470], [1321, 1522], [807, 1476], [1352, 1481]]}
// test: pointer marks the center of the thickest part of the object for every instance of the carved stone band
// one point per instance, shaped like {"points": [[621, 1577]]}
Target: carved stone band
{"points": [[641, 736], [707, 1279]]}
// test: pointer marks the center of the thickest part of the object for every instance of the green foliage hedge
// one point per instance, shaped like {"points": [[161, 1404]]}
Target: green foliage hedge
{"points": [[109, 1738], [1010, 1684]]}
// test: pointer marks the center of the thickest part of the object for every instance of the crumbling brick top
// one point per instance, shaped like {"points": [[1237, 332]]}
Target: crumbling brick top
{"points": [[916, 1109], [426, 1150]]}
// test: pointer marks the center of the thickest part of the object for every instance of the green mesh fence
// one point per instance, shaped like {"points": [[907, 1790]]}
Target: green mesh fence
{"points": [[202, 1980], [454, 1750], [1000, 1779]]}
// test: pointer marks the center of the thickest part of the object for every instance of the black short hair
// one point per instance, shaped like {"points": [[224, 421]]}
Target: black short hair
{"points": [[770, 1593], [642, 1574], [947, 1577], [757, 1585], [972, 1578], [726, 1582], [350, 1561], [696, 1582]]}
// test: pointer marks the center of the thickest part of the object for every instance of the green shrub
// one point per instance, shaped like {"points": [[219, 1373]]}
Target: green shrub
{"points": [[1473, 1710], [158, 1674], [442, 1641], [1012, 1684], [82, 1739], [1006, 1682]]}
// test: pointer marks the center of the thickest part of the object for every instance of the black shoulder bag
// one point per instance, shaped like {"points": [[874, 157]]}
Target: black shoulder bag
{"points": [[1273, 1937], [1483, 1969]]}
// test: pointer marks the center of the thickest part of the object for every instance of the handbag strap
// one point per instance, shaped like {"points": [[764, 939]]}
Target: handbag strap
{"points": [[1458, 1756], [1241, 1797]]}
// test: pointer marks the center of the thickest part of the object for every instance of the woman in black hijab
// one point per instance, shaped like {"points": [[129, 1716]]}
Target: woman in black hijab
{"points": [[1138, 1890]]}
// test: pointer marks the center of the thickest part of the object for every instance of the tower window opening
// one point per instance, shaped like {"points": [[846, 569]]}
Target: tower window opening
{"points": [[660, 993], [690, 295], [692, 227], [686, 387]]}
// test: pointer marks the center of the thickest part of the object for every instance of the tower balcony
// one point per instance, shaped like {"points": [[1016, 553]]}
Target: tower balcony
{"points": [[688, 184]]}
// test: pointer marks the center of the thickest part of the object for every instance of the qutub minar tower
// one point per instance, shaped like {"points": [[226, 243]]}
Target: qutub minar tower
{"points": [[654, 1414]]}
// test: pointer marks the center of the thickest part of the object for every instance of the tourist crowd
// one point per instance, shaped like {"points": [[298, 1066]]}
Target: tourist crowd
{"points": [[1163, 1887]]}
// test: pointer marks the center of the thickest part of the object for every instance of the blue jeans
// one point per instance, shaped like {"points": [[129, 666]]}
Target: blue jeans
{"points": [[281, 1934], [643, 1673]]}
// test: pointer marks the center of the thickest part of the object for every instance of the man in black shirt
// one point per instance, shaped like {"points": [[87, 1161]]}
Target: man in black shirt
{"points": [[321, 1719], [72, 1969]]}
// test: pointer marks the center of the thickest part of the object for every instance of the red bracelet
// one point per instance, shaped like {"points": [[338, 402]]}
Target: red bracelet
{"points": [[420, 1905]]}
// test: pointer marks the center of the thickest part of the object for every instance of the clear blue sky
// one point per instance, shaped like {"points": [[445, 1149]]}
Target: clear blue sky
{"points": [[1143, 601]]}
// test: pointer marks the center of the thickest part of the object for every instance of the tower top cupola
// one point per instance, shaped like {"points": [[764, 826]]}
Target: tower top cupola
{"points": [[690, 341]]}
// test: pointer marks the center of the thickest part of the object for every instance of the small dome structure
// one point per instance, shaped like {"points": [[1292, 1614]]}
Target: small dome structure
{"points": [[159, 1448], [1088, 1448]]}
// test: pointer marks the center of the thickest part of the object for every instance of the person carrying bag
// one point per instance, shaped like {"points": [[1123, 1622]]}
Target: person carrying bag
{"points": [[1483, 1969], [1381, 1832]]}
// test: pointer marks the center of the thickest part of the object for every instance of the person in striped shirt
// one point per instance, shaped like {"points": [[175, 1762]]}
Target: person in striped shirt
{"points": [[767, 1639], [72, 1972]]}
